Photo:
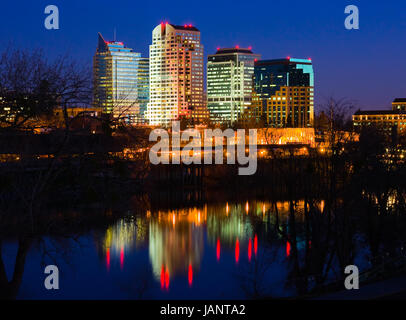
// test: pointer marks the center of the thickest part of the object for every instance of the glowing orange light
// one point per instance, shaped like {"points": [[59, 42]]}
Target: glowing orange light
{"points": [[108, 258], [237, 251], [247, 207], [249, 249], [227, 208], [190, 275], [173, 219], [255, 244], [218, 250], [122, 258]]}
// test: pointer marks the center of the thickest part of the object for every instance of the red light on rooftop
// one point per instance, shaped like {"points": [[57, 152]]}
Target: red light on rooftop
{"points": [[249, 48], [190, 25], [185, 26], [218, 48], [310, 59], [255, 60], [237, 46], [288, 57]]}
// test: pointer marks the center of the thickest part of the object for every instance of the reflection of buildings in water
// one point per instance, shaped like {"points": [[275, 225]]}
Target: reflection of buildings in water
{"points": [[393, 198], [176, 237], [228, 223], [124, 237], [176, 243]]}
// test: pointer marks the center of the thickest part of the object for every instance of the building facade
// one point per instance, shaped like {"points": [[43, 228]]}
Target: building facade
{"points": [[391, 122], [229, 83], [399, 104], [283, 93], [121, 79], [176, 75]]}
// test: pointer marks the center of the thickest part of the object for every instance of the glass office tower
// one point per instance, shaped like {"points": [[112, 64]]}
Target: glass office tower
{"points": [[229, 83], [284, 92], [176, 75], [121, 80]]}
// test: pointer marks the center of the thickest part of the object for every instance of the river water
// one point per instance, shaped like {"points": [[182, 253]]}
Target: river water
{"points": [[228, 250]]}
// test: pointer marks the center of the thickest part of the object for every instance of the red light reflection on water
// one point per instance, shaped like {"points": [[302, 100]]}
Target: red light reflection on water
{"points": [[108, 258], [237, 251], [249, 249], [122, 258], [190, 275], [164, 278], [167, 279], [218, 250]]}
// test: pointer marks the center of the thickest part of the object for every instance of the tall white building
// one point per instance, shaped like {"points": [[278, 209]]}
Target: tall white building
{"points": [[176, 75]]}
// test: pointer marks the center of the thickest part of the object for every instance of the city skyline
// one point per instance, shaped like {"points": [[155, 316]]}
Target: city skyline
{"points": [[168, 85], [347, 61]]}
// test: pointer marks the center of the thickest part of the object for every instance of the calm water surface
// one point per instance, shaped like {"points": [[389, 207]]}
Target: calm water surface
{"points": [[222, 251]]}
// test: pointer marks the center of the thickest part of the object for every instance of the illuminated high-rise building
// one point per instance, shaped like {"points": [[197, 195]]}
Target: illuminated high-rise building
{"points": [[283, 93], [229, 83], [143, 86], [176, 75], [121, 79]]}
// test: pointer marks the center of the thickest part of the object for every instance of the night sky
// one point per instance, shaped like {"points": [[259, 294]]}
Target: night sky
{"points": [[366, 65]]}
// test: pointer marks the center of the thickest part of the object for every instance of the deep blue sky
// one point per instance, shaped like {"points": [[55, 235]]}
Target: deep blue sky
{"points": [[368, 65]]}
